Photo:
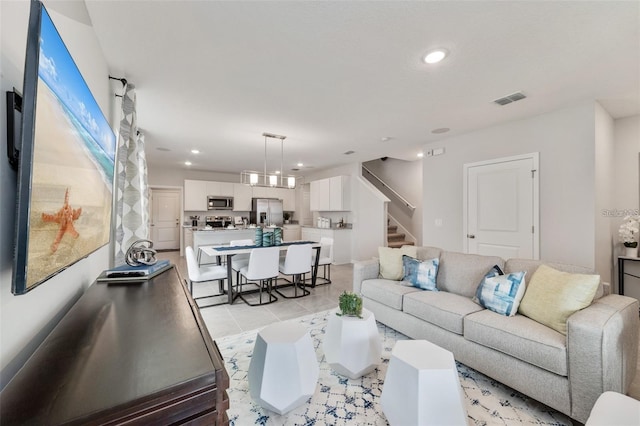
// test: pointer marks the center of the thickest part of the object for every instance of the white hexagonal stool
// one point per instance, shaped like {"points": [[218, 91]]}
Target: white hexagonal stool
{"points": [[352, 345], [422, 386], [283, 372]]}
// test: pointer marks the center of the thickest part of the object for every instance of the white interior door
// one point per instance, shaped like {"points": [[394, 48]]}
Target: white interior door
{"points": [[165, 219], [502, 207]]}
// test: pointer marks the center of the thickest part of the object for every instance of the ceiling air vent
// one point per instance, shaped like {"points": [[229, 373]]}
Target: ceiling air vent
{"points": [[510, 98], [349, 152]]}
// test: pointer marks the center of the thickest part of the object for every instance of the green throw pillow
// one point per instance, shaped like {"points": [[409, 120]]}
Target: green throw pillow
{"points": [[391, 261], [553, 296]]}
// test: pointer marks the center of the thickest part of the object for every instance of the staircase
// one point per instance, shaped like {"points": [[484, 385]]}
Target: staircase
{"points": [[396, 239]]}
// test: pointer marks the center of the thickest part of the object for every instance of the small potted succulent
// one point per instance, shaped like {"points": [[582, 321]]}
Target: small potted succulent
{"points": [[350, 305], [286, 216]]}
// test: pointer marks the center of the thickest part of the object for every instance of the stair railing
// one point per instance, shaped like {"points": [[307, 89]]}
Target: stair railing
{"points": [[394, 192]]}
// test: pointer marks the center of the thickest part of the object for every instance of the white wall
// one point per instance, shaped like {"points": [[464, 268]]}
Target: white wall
{"points": [[565, 141], [160, 176], [25, 320], [369, 219], [604, 165]]}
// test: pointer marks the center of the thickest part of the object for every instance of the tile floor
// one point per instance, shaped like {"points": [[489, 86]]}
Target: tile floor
{"points": [[224, 320]]}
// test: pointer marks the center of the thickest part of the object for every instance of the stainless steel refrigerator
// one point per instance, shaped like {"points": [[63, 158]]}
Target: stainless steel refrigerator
{"points": [[266, 211]]}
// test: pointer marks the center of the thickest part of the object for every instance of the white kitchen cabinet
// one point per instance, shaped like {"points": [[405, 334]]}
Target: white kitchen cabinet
{"points": [[195, 195], [220, 189], [341, 245], [263, 192], [339, 193], [331, 194], [242, 197], [288, 197], [320, 198]]}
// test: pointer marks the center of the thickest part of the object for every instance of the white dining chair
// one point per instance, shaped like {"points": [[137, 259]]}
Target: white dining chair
{"points": [[326, 259], [240, 260], [261, 270], [296, 263], [204, 273]]}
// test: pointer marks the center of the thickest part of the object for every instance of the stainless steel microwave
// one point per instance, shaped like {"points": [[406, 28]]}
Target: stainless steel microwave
{"points": [[219, 203]]}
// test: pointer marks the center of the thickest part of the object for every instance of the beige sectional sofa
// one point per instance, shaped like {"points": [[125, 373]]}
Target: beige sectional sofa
{"points": [[567, 373]]}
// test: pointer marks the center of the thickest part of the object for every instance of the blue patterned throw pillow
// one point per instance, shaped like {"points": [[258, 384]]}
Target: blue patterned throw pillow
{"points": [[421, 274], [501, 293]]}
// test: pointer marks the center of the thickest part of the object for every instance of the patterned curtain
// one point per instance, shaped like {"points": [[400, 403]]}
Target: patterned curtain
{"points": [[132, 190]]}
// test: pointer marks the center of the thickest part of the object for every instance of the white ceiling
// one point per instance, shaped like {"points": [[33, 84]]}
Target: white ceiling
{"points": [[338, 76]]}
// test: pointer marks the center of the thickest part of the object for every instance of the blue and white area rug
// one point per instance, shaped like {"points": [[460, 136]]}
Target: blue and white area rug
{"points": [[342, 401]]}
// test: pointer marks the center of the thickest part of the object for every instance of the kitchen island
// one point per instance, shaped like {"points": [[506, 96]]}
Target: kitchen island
{"points": [[208, 237]]}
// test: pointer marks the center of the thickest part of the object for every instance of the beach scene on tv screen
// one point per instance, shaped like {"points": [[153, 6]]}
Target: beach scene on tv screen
{"points": [[73, 157]]}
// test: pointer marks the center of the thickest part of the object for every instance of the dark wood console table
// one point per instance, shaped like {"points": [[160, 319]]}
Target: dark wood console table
{"points": [[629, 276], [128, 353]]}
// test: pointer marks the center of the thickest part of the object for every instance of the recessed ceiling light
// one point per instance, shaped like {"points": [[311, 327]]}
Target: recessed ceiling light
{"points": [[386, 138], [435, 56], [420, 154], [187, 163], [300, 164], [440, 130], [195, 151], [277, 172]]}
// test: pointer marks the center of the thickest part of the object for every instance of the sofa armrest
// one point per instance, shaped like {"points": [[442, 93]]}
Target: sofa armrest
{"points": [[602, 347], [364, 270]]}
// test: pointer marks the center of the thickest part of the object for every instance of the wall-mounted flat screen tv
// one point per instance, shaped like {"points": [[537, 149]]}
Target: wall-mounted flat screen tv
{"points": [[66, 162]]}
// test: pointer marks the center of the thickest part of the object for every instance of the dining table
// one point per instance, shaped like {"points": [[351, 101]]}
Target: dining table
{"points": [[225, 250]]}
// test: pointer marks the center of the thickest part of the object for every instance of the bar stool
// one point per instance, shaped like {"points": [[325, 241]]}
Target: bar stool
{"points": [[326, 259], [296, 263], [262, 268], [199, 274]]}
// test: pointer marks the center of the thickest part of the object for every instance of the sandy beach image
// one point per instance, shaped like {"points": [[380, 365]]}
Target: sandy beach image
{"points": [[63, 162]]}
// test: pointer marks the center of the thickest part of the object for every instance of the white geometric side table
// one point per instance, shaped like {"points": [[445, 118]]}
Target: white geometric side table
{"points": [[352, 345], [422, 386], [283, 372]]}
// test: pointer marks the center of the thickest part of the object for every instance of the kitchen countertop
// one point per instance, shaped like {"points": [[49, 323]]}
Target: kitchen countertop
{"points": [[202, 228], [333, 228]]}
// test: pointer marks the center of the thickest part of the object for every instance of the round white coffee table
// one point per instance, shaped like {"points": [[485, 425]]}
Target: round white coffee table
{"points": [[422, 386], [352, 345], [283, 372]]}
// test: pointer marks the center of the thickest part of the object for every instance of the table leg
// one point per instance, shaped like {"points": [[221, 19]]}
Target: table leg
{"points": [[314, 272], [230, 278]]}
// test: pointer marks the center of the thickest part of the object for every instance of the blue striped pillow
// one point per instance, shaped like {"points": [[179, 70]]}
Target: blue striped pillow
{"points": [[421, 274], [501, 293]]}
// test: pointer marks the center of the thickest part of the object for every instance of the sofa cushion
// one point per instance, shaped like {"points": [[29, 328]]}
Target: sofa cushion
{"points": [[519, 337], [387, 292], [460, 273], [501, 293], [420, 273], [425, 252], [553, 296], [530, 266], [446, 310], [391, 261]]}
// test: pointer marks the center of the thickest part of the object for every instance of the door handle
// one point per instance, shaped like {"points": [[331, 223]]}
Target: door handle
{"points": [[471, 236]]}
